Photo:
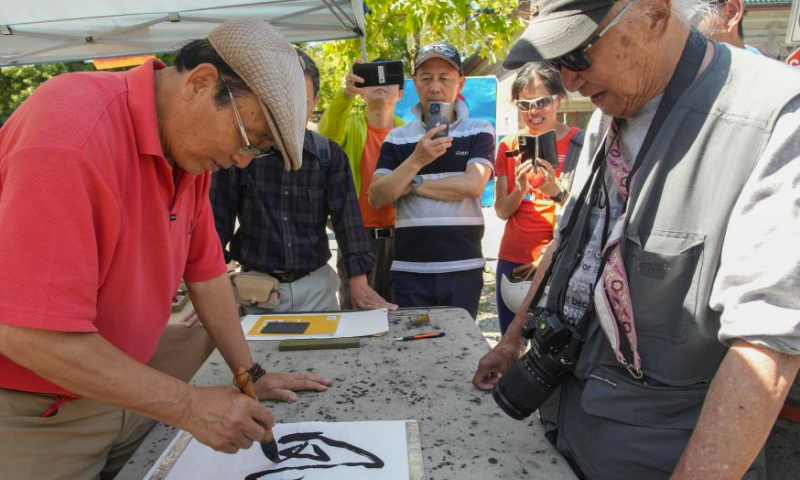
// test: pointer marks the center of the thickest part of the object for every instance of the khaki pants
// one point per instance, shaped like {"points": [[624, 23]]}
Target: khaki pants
{"points": [[316, 292], [87, 440]]}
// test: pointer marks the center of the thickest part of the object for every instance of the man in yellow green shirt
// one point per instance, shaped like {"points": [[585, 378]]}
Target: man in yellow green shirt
{"points": [[361, 135]]}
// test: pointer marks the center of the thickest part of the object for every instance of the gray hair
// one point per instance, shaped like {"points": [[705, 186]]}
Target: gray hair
{"points": [[707, 16]]}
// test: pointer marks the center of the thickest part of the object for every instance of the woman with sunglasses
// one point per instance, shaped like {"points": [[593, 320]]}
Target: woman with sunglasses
{"points": [[526, 194]]}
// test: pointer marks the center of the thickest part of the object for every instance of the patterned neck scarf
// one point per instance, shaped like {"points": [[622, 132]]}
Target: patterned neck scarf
{"points": [[612, 298]]}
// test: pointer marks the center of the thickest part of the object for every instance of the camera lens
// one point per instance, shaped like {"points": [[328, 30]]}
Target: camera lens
{"points": [[435, 108], [525, 386]]}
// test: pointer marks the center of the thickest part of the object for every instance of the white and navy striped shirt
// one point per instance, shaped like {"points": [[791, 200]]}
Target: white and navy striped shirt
{"points": [[436, 236]]}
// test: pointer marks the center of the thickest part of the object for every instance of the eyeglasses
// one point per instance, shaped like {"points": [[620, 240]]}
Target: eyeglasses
{"points": [[249, 149], [577, 60], [535, 104]]}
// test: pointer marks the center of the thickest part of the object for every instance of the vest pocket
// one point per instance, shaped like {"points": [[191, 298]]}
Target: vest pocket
{"points": [[663, 271], [617, 396], [624, 429]]}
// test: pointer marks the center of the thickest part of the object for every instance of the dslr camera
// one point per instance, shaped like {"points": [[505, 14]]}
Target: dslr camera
{"points": [[553, 354]]}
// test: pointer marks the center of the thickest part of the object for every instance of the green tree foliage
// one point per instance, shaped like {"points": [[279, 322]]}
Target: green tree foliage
{"points": [[396, 29], [17, 83]]}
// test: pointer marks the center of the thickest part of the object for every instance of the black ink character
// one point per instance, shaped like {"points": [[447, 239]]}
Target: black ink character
{"points": [[317, 454]]}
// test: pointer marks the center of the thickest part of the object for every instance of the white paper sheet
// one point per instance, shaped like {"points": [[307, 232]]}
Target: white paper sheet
{"points": [[351, 324], [340, 451]]}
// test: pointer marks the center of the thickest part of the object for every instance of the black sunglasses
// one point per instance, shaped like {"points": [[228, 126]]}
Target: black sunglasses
{"points": [[577, 60]]}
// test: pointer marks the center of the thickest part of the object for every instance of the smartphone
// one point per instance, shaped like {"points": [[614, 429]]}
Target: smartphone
{"points": [[542, 146], [546, 145], [439, 114], [375, 74]]}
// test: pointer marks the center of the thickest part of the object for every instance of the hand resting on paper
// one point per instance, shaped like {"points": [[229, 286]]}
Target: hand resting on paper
{"points": [[281, 386]]}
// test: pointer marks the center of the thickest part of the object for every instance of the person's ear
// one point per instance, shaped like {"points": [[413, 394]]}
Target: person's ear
{"points": [[202, 79], [657, 12], [734, 11], [461, 83]]}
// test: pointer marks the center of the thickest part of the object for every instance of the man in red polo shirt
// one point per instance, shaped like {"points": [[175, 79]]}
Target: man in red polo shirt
{"points": [[104, 208]]}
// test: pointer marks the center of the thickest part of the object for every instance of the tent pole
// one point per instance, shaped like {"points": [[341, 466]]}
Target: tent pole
{"points": [[363, 47]]}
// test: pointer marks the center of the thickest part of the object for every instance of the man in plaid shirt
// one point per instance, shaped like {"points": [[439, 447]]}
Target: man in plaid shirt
{"points": [[282, 218]]}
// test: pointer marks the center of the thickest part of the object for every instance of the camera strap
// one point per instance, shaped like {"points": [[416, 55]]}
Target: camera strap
{"points": [[588, 188]]}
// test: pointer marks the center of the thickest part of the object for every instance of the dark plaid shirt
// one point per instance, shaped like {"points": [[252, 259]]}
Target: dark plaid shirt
{"points": [[282, 215]]}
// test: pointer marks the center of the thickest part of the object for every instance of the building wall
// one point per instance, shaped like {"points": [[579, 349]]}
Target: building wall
{"points": [[765, 28]]}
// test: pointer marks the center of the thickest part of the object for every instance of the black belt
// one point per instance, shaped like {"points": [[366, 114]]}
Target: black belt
{"points": [[282, 276], [376, 233], [287, 277]]}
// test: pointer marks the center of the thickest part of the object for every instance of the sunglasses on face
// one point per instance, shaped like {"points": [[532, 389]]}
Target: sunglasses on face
{"points": [[249, 149], [577, 60], [535, 104]]}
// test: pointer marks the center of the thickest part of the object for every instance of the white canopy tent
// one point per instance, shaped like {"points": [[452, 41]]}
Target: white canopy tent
{"points": [[41, 31]]}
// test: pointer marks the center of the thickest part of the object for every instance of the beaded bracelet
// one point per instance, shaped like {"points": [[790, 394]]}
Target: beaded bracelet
{"points": [[256, 372]]}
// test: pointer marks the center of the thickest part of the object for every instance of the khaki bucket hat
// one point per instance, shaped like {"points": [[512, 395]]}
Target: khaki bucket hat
{"points": [[269, 65]]}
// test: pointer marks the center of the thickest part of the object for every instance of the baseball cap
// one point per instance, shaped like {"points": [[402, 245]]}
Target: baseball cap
{"points": [[442, 50], [557, 27], [269, 65]]}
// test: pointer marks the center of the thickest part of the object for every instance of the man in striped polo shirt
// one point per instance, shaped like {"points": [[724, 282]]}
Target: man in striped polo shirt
{"points": [[436, 184]]}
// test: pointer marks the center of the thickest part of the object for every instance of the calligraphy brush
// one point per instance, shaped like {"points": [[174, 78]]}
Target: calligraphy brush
{"points": [[244, 382]]}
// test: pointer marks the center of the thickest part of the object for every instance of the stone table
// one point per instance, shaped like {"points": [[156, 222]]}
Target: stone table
{"points": [[464, 434]]}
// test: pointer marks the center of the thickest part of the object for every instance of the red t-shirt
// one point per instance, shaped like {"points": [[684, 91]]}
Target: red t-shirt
{"points": [[94, 237], [531, 226], [372, 217]]}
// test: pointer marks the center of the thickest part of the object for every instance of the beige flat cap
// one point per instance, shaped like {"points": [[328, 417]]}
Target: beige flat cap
{"points": [[269, 65]]}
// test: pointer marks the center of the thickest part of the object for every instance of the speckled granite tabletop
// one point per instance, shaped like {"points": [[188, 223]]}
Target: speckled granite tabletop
{"points": [[464, 434]]}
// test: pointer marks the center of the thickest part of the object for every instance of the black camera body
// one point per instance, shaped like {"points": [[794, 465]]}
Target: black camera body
{"points": [[553, 355], [381, 73]]}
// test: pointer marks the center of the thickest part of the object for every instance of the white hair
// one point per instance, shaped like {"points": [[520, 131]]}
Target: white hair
{"points": [[705, 15]]}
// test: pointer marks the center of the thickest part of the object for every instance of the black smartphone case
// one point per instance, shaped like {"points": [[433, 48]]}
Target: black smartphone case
{"points": [[375, 74], [546, 147]]}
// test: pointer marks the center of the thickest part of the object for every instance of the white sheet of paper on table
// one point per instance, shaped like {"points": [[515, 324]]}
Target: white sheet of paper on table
{"points": [[351, 324], [386, 440]]}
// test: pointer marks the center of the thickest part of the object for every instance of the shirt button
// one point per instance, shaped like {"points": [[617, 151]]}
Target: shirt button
{"points": [[289, 244], [285, 218], [286, 192]]}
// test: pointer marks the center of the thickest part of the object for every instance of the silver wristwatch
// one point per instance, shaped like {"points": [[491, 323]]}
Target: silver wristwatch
{"points": [[415, 183]]}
